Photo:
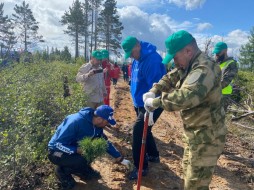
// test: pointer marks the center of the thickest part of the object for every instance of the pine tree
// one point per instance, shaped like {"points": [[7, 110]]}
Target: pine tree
{"points": [[75, 21], [95, 4], [7, 38], [65, 54], [110, 28], [246, 58], [26, 25], [87, 24]]}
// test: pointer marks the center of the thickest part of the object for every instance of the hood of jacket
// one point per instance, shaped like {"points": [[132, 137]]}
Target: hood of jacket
{"points": [[87, 111], [146, 50]]}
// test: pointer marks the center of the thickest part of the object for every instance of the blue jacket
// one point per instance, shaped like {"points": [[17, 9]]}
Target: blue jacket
{"points": [[147, 70], [74, 128]]}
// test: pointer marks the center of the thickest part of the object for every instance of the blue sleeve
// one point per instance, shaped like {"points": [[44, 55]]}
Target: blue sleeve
{"points": [[153, 69], [112, 150]]}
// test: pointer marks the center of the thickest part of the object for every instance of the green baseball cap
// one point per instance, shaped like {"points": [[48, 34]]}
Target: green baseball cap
{"points": [[128, 44], [104, 54], [176, 42], [96, 54], [219, 47]]}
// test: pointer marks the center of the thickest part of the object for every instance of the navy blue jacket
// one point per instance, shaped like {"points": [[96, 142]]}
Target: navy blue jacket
{"points": [[74, 128], [147, 70]]}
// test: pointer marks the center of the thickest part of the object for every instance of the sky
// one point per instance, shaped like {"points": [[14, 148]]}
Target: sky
{"points": [[154, 20]]}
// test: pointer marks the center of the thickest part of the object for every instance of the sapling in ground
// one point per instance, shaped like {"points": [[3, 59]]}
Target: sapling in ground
{"points": [[93, 148]]}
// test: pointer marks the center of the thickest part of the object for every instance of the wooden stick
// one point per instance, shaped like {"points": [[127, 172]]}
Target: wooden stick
{"points": [[239, 124], [237, 111], [244, 115]]}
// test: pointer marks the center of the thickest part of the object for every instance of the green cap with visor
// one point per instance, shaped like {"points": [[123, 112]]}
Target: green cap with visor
{"points": [[176, 42], [128, 44], [219, 47], [97, 54]]}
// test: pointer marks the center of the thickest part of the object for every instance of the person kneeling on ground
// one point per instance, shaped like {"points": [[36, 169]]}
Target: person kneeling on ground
{"points": [[64, 150]]}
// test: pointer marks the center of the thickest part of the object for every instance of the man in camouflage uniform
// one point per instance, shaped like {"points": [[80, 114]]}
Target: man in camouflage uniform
{"points": [[229, 70], [194, 89]]}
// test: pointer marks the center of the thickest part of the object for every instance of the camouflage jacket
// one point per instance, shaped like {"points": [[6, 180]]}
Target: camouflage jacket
{"points": [[229, 73], [196, 92]]}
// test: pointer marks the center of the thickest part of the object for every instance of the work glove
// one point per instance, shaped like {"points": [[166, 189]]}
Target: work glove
{"points": [[127, 163], [148, 95], [149, 105], [150, 120]]}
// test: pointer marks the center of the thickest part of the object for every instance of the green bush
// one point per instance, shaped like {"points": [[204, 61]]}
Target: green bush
{"points": [[32, 104], [80, 61], [246, 81], [93, 148]]}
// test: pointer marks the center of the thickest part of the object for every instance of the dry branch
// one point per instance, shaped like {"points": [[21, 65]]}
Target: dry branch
{"points": [[241, 125], [241, 116]]}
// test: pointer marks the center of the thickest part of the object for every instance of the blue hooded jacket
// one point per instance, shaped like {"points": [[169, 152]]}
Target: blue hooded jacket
{"points": [[74, 128], [147, 70]]}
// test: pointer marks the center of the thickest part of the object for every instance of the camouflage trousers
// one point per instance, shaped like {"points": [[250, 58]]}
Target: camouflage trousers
{"points": [[199, 161], [226, 102]]}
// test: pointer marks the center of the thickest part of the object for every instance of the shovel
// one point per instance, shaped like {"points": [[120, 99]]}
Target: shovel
{"points": [[142, 153]]}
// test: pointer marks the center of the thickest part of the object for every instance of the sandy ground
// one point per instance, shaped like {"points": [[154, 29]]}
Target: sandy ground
{"points": [[234, 171]]}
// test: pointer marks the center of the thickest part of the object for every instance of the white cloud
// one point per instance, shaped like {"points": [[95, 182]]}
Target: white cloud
{"points": [[203, 26], [188, 4], [142, 25], [234, 39], [196, 19], [154, 28], [237, 37], [48, 13], [186, 25], [135, 2]]}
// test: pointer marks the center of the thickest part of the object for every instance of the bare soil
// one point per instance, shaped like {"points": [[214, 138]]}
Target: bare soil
{"points": [[234, 171]]}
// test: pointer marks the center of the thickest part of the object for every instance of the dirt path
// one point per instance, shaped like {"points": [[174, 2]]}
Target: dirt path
{"points": [[235, 170]]}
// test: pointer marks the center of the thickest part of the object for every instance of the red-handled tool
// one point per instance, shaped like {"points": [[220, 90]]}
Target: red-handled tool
{"points": [[142, 153]]}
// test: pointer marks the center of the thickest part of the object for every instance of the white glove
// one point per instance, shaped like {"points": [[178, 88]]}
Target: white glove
{"points": [[148, 95], [150, 120], [127, 163], [149, 105]]}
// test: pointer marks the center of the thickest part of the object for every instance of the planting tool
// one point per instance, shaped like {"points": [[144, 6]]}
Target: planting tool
{"points": [[142, 153]]}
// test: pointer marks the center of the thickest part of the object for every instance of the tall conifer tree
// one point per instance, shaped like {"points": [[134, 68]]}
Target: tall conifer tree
{"points": [[246, 58], [7, 38], [26, 25], [75, 21], [110, 27]]}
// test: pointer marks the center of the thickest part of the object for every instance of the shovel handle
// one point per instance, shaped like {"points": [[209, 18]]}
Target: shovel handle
{"points": [[142, 153]]}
